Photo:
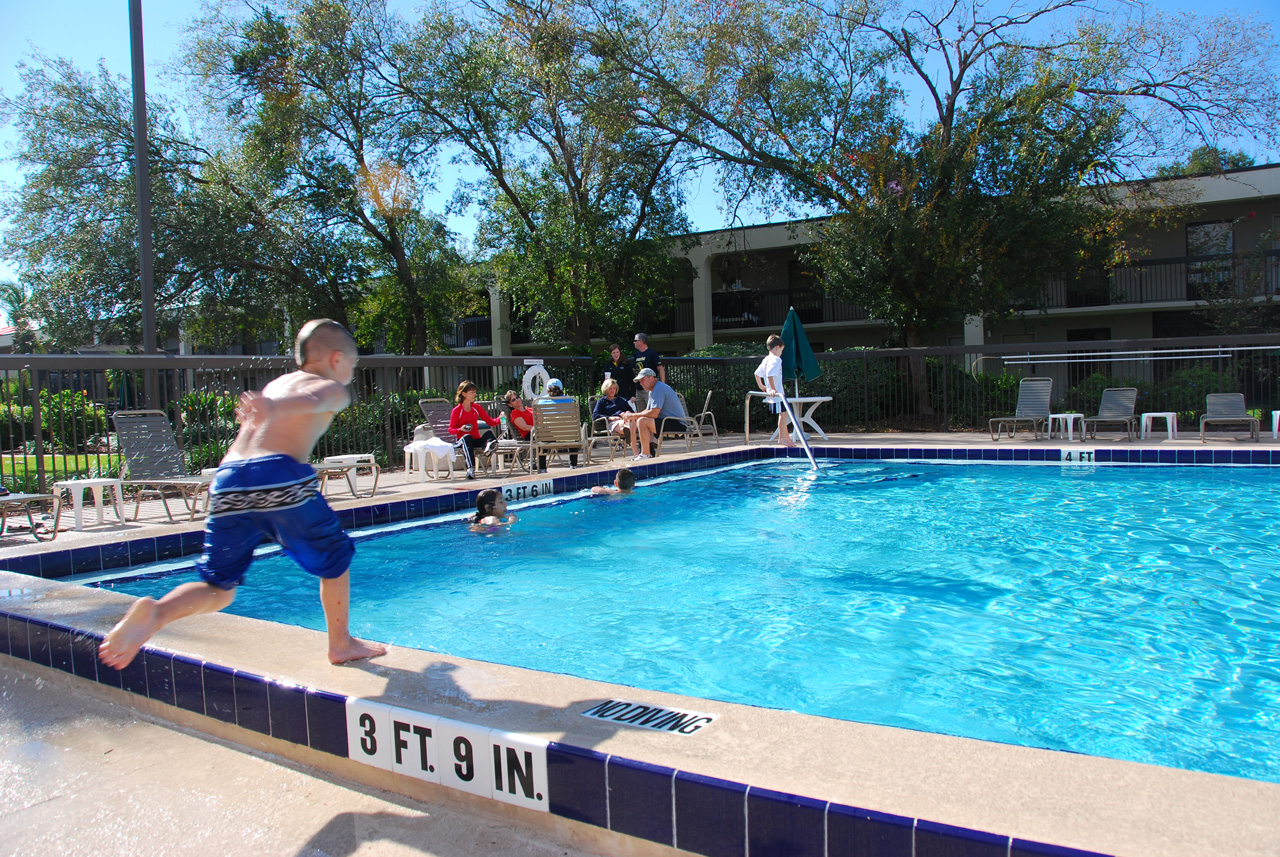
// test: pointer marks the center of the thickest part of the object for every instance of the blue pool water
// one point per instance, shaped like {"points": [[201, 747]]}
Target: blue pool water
{"points": [[1123, 612]]}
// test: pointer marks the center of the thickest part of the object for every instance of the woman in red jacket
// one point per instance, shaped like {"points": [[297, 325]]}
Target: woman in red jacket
{"points": [[464, 424]]}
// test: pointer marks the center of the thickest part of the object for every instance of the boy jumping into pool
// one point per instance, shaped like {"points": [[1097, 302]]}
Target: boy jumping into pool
{"points": [[264, 486]]}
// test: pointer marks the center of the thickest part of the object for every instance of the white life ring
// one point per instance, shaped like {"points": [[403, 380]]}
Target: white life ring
{"points": [[535, 381]]}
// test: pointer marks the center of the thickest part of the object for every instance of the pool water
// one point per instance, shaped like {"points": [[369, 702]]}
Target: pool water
{"points": [[1123, 612]]}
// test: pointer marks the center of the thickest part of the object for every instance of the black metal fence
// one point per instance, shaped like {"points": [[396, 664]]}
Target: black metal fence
{"points": [[57, 408]]}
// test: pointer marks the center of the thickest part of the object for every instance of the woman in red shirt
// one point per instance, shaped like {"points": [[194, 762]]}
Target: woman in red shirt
{"points": [[521, 417], [464, 424]]}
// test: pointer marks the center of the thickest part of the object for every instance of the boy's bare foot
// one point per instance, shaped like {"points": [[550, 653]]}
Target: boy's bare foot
{"points": [[355, 650], [122, 642]]}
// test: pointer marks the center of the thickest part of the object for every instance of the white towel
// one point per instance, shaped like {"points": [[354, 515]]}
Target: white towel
{"points": [[436, 446]]}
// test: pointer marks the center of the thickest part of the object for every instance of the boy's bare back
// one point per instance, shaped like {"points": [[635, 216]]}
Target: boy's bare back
{"points": [[287, 417], [291, 412]]}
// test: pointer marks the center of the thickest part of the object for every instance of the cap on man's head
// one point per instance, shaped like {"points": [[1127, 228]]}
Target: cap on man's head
{"points": [[645, 373], [555, 384]]}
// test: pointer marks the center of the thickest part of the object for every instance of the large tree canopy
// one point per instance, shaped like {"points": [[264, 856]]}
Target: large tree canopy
{"points": [[580, 201], [960, 150]]}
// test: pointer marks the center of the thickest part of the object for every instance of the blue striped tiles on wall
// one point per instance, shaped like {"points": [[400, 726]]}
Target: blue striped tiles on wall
{"points": [[696, 813]]}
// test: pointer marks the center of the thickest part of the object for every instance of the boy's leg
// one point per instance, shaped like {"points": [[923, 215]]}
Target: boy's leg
{"points": [[335, 598], [147, 616], [784, 429]]}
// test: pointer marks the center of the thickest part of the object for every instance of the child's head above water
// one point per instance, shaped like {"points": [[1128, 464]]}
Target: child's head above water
{"points": [[625, 480], [490, 504]]}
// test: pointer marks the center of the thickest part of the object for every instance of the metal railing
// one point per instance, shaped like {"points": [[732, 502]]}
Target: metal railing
{"points": [[56, 408]]}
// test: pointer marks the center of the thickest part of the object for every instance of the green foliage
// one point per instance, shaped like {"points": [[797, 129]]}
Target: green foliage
{"points": [[17, 425], [730, 349], [69, 419], [1205, 160]]}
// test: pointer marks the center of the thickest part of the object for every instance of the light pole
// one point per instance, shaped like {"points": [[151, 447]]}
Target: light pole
{"points": [[141, 176]]}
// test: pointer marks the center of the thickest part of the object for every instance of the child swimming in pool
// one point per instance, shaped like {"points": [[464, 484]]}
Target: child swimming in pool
{"points": [[623, 483], [490, 507], [264, 486]]}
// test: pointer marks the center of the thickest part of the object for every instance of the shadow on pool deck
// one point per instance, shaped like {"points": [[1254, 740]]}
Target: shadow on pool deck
{"points": [[100, 778]]}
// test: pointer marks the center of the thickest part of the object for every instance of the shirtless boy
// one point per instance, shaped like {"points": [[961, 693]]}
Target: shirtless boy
{"points": [[265, 486]]}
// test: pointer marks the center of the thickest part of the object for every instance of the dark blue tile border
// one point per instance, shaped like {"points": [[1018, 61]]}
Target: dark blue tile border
{"points": [[696, 813], [780, 823], [327, 722], [640, 800], [711, 816], [159, 669], [865, 832], [288, 705], [188, 684], [1023, 848], [220, 694], [577, 781], [944, 840], [252, 710]]}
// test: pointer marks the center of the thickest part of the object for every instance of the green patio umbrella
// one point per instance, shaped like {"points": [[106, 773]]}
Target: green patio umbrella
{"points": [[797, 358]]}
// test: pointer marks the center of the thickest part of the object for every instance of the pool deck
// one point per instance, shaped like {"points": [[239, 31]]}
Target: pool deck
{"points": [[105, 770]]}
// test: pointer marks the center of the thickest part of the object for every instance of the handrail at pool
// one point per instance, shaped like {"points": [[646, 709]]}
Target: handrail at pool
{"points": [[804, 442]]}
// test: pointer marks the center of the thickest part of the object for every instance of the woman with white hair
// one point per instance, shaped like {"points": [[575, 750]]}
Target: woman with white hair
{"points": [[610, 407]]}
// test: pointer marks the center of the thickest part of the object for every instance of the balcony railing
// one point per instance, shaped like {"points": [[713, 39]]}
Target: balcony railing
{"points": [[1189, 278], [1179, 280]]}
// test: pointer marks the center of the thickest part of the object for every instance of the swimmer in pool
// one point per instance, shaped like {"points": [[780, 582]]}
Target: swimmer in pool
{"points": [[490, 507], [264, 486], [623, 483]]}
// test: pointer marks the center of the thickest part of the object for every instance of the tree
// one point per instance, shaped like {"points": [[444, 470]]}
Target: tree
{"points": [[580, 201], [226, 260], [1203, 161], [305, 96], [1028, 111]]}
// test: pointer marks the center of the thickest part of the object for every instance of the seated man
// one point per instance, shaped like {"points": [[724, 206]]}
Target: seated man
{"points": [[646, 424]]}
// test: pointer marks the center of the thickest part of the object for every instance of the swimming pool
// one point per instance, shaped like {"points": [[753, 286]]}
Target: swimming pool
{"points": [[1123, 612]]}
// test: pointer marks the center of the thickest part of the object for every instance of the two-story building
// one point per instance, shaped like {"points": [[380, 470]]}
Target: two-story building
{"points": [[747, 278]]}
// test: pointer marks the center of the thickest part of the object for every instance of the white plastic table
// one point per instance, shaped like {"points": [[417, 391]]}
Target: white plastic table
{"points": [[1170, 423], [1067, 423], [439, 451], [77, 488], [805, 419]]}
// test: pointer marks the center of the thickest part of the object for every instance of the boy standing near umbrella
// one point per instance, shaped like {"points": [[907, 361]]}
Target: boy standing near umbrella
{"points": [[769, 378]]}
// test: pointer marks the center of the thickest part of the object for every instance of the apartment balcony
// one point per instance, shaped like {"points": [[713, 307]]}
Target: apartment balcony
{"points": [[1180, 280]]}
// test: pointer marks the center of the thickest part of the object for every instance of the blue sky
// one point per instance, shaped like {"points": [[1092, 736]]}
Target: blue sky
{"points": [[89, 30]]}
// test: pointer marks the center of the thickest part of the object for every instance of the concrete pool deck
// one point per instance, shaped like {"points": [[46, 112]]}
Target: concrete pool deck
{"points": [[950, 787]]}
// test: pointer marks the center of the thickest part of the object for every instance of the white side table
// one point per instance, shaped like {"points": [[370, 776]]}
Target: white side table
{"points": [[416, 453], [1170, 422], [352, 464], [1275, 424], [1066, 423], [77, 487]]}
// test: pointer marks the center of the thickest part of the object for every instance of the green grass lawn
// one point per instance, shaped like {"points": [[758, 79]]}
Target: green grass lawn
{"points": [[19, 471]]}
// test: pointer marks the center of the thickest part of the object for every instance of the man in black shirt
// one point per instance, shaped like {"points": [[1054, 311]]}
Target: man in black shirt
{"points": [[647, 358]]}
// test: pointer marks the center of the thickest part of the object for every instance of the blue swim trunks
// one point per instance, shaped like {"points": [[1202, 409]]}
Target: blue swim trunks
{"points": [[277, 497]]}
